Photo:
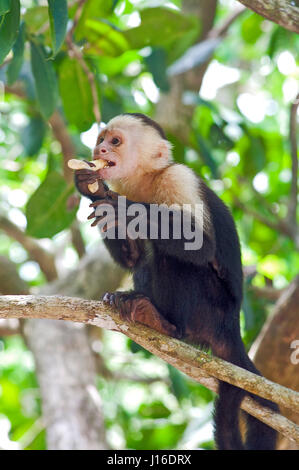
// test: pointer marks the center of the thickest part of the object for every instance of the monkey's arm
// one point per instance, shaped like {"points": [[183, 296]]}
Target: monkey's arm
{"points": [[171, 246], [126, 252]]}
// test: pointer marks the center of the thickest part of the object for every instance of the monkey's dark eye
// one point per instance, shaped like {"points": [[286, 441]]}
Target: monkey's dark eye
{"points": [[101, 139], [115, 141]]}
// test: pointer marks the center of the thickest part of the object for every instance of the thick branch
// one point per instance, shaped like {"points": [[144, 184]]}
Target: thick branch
{"points": [[195, 363], [272, 351], [283, 12]]}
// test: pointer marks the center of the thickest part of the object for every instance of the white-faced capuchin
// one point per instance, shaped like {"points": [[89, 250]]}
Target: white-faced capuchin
{"points": [[194, 295]]}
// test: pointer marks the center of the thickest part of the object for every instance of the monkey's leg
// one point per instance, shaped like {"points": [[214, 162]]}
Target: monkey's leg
{"points": [[136, 307]]}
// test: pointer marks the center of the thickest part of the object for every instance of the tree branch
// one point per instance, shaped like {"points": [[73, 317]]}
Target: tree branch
{"points": [[292, 207], [62, 135], [45, 259], [197, 364], [279, 225], [67, 147], [272, 349], [222, 29], [283, 12], [266, 292]]}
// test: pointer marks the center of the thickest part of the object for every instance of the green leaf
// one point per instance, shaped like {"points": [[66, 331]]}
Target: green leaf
{"points": [[36, 18], [110, 107], [33, 135], [159, 27], [76, 94], [13, 69], [4, 6], [156, 63], [9, 29], [251, 28], [58, 15], [115, 65], [93, 9], [154, 410], [46, 209], [105, 33], [45, 80], [136, 348], [178, 383], [206, 156], [219, 139]]}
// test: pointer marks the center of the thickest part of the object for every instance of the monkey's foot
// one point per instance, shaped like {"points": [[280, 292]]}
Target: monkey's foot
{"points": [[136, 307]]}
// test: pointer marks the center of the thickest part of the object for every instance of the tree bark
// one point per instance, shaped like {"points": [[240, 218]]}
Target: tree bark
{"points": [[66, 373], [283, 12], [272, 350], [197, 364]]}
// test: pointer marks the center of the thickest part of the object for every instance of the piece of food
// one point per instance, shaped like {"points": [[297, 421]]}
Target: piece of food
{"points": [[95, 165], [93, 187]]}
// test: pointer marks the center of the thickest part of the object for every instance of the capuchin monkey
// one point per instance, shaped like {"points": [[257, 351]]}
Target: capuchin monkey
{"points": [[194, 295]]}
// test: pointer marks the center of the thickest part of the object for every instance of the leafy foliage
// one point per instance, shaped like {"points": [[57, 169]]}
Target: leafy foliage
{"points": [[58, 16], [9, 24]]}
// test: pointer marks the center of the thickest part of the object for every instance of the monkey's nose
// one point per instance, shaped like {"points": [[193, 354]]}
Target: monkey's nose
{"points": [[98, 152]]}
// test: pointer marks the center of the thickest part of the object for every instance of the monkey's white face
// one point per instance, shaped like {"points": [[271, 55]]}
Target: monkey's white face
{"points": [[130, 149], [112, 146]]}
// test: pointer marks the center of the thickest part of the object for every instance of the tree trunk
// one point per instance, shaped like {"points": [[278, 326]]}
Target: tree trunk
{"points": [[272, 350]]}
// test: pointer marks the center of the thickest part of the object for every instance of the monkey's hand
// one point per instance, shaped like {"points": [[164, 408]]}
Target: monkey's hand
{"points": [[83, 178], [107, 203], [111, 212]]}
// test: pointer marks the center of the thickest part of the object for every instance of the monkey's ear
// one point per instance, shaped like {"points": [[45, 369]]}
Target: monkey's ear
{"points": [[164, 150]]}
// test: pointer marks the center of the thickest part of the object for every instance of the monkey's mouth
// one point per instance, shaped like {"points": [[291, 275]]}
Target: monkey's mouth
{"points": [[109, 164], [104, 163]]}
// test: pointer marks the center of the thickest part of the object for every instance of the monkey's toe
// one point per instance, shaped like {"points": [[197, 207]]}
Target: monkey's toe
{"points": [[121, 301]]}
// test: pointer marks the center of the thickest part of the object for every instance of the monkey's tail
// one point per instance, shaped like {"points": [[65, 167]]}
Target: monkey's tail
{"points": [[258, 436]]}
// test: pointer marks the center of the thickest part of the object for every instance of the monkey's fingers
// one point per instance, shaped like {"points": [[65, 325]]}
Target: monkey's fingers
{"points": [[109, 225], [99, 202], [105, 222], [92, 215], [105, 226], [86, 178], [84, 171], [105, 204], [95, 222], [100, 218]]}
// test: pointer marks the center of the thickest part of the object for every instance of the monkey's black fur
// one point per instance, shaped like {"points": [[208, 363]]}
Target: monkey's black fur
{"points": [[200, 292]]}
